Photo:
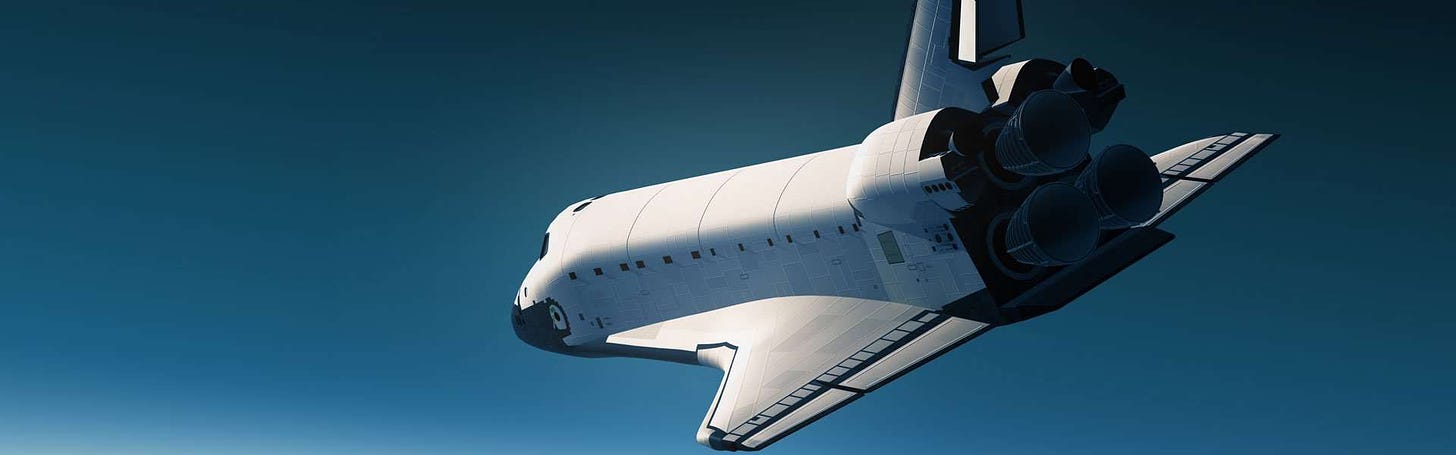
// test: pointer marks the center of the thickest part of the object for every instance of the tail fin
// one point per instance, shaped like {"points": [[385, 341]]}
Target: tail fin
{"points": [[948, 55]]}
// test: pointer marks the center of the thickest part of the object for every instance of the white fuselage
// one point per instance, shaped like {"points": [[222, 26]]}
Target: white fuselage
{"points": [[651, 254]]}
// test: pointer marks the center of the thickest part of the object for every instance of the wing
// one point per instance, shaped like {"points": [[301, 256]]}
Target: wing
{"points": [[947, 60], [1190, 169], [788, 361]]}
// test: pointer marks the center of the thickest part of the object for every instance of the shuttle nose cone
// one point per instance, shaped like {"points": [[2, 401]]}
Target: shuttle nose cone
{"points": [[540, 325]]}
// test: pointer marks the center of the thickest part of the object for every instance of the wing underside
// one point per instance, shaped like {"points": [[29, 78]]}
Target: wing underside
{"points": [[1190, 169], [791, 360]]}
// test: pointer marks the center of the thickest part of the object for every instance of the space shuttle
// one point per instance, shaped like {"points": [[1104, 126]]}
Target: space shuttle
{"points": [[812, 281]]}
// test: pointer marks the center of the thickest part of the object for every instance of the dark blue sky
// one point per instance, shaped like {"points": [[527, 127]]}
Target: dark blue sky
{"points": [[296, 229]]}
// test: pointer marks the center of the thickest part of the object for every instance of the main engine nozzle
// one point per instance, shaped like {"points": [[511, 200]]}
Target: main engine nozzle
{"points": [[1079, 75], [1047, 134], [1124, 186], [1056, 225], [1095, 89]]}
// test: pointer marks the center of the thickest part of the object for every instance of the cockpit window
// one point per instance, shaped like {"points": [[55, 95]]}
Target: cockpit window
{"points": [[545, 244]]}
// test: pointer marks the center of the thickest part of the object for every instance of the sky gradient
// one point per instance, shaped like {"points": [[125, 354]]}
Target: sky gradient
{"points": [[245, 227]]}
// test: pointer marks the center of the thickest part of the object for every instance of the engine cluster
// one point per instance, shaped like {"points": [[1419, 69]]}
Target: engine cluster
{"points": [[1019, 173]]}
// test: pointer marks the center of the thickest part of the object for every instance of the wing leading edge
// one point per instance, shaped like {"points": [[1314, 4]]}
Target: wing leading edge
{"points": [[789, 361]]}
